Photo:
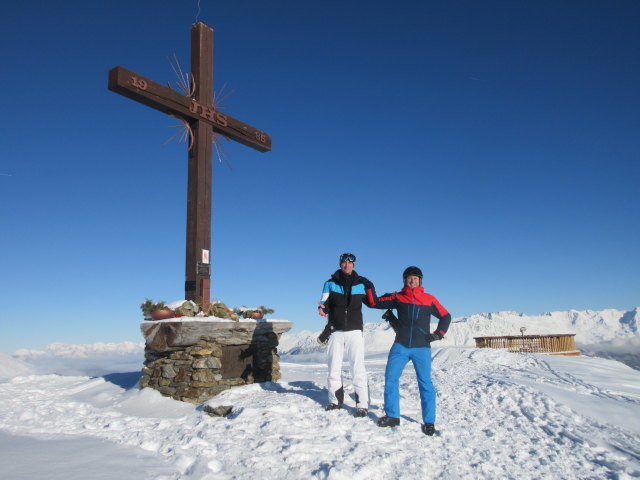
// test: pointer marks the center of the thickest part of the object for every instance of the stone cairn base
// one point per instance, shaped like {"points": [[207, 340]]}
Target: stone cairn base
{"points": [[193, 360]]}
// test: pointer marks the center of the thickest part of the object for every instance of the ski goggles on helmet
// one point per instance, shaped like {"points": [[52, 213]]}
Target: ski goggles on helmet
{"points": [[348, 257]]}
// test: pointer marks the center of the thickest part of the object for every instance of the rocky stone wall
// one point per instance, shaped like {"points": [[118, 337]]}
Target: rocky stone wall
{"points": [[224, 356]]}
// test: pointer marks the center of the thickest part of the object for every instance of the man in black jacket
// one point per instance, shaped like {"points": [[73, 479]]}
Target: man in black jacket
{"points": [[341, 301]]}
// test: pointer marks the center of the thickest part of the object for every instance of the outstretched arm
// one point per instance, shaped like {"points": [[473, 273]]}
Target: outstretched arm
{"points": [[372, 300]]}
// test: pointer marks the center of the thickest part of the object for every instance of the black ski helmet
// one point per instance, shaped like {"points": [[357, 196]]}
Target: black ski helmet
{"points": [[412, 271]]}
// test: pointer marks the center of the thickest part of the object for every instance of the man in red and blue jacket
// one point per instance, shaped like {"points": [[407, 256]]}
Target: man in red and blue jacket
{"points": [[413, 341]]}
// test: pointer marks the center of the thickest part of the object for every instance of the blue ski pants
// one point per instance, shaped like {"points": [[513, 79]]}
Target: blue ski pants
{"points": [[399, 356]]}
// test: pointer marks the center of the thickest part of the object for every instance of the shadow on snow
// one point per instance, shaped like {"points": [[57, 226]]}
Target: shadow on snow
{"points": [[127, 381]]}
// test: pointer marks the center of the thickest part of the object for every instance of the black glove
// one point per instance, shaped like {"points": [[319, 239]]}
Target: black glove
{"points": [[323, 339], [432, 337], [392, 319]]}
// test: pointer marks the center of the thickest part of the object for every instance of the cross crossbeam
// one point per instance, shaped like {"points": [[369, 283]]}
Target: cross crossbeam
{"points": [[141, 89], [198, 111]]}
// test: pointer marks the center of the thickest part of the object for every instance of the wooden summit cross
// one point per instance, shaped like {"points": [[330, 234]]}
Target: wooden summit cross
{"points": [[203, 119]]}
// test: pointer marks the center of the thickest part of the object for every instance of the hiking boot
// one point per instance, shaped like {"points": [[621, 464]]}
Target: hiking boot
{"points": [[388, 422], [428, 429], [333, 406], [360, 412]]}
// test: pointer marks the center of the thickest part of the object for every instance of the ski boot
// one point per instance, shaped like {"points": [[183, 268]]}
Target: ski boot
{"points": [[388, 422], [428, 429]]}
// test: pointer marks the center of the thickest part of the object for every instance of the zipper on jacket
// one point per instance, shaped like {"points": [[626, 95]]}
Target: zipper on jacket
{"points": [[412, 318]]}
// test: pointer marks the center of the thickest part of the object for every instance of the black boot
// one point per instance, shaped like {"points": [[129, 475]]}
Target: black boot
{"points": [[428, 429], [388, 422], [360, 412]]}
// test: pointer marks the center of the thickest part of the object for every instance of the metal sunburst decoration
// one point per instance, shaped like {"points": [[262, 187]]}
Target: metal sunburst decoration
{"points": [[185, 86]]}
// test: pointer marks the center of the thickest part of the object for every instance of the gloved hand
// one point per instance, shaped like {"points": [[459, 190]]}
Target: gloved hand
{"points": [[432, 337], [323, 339], [388, 316]]}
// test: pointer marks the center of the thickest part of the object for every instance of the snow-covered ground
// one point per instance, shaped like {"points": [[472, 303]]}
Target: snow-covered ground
{"points": [[75, 412], [500, 415]]}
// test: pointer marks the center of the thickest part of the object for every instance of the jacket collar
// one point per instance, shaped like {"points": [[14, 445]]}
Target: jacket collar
{"points": [[416, 291], [340, 277]]}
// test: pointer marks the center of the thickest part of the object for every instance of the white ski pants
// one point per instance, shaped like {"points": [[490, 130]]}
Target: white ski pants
{"points": [[350, 345]]}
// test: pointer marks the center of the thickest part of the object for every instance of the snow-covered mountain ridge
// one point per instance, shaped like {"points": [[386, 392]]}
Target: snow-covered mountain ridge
{"points": [[602, 332], [82, 350], [590, 327], [610, 329]]}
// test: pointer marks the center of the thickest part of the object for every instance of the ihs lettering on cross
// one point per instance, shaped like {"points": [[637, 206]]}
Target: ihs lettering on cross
{"points": [[199, 112]]}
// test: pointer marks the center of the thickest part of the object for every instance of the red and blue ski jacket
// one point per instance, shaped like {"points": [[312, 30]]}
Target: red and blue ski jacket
{"points": [[414, 307]]}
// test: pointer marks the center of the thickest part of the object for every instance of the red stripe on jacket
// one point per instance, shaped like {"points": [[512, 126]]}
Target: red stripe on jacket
{"points": [[416, 296]]}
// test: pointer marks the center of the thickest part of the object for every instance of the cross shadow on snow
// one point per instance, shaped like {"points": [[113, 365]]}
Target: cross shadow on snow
{"points": [[128, 380]]}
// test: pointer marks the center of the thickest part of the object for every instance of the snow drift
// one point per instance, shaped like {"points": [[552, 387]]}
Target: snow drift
{"points": [[500, 415]]}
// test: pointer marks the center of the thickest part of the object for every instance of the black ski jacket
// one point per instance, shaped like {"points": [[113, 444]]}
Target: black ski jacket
{"points": [[342, 297]]}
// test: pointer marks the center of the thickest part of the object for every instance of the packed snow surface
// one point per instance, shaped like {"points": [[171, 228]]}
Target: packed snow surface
{"points": [[75, 412], [500, 415]]}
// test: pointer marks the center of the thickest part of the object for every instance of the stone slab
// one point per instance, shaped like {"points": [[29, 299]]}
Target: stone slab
{"points": [[176, 334]]}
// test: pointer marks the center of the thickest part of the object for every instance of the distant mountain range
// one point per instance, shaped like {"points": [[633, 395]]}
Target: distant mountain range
{"points": [[609, 333]]}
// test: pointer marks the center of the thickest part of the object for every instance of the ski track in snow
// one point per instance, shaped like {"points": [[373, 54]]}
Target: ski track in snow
{"points": [[492, 423]]}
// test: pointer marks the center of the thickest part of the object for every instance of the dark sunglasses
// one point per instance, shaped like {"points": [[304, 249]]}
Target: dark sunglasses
{"points": [[348, 257]]}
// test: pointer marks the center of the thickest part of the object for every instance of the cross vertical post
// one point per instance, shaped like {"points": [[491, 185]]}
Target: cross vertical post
{"points": [[196, 108], [197, 284]]}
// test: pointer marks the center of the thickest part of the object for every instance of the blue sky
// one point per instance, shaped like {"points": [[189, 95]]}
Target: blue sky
{"points": [[494, 144]]}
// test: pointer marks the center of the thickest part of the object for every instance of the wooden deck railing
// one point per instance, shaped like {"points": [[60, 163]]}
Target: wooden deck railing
{"points": [[563, 344]]}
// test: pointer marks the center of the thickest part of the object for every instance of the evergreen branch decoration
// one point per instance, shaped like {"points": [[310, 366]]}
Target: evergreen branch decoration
{"points": [[148, 306]]}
